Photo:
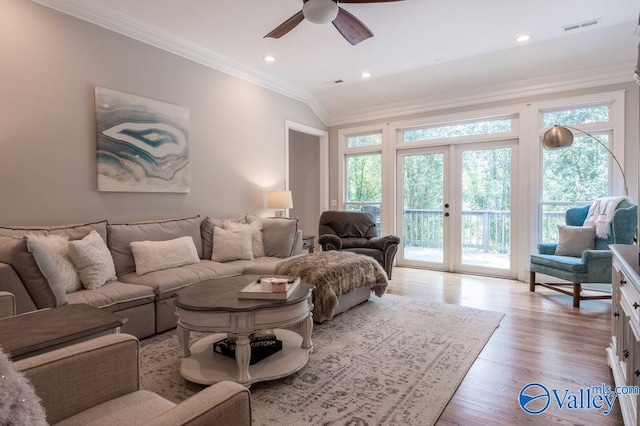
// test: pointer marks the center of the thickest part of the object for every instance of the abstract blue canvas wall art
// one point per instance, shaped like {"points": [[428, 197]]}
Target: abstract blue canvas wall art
{"points": [[143, 144]]}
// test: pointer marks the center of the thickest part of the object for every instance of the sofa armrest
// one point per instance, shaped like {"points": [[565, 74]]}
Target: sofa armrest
{"points": [[330, 242], [7, 304], [381, 243], [77, 377], [225, 403], [547, 248], [297, 244]]}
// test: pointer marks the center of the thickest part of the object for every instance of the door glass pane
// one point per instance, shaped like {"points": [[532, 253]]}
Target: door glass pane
{"points": [[486, 208], [423, 199]]}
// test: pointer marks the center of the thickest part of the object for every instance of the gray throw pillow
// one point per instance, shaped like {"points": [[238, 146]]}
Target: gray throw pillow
{"points": [[279, 235], [92, 260], [206, 232], [573, 240], [14, 251], [47, 265]]}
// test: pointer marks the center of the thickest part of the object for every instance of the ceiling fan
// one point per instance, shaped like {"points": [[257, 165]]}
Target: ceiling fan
{"points": [[325, 11]]}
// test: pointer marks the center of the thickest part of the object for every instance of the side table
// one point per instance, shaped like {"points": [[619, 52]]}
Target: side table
{"points": [[31, 333], [308, 242]]}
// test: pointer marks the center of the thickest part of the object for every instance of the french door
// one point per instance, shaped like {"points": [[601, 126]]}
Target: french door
{"points": [[455, 207]]}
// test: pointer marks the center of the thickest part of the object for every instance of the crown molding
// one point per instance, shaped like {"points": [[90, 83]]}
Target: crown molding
{"points": [[520, 89], [110, 19]]}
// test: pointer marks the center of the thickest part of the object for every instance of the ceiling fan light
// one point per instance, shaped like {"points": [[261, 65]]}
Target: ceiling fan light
{"points": [[320, 11]]}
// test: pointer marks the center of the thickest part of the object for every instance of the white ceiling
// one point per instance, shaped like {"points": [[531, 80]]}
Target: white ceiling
{"points": [[421, 48]]}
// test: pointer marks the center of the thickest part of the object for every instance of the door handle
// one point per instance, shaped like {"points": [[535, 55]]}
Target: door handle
{"points": [[446, 215], [446, 206]]}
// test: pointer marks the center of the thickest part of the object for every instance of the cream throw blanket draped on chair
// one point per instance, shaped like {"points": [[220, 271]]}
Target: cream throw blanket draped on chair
{"points": [[601, 213]]}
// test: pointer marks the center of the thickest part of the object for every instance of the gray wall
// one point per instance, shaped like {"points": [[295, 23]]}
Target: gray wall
{"points": [[51, 64], [304, 180]]}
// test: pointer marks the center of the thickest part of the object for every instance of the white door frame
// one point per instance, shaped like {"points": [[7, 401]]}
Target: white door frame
{"points": [[323, 136]]}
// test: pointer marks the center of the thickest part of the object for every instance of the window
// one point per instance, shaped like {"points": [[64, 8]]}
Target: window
{"points": [[483, 127], [577, 175], [363, 173]]}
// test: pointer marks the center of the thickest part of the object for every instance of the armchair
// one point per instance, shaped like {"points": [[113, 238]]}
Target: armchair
{"points": [[97, 382], [357, 232], [589, 266]]}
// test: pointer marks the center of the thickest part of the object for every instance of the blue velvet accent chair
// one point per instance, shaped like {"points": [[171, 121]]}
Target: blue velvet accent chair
{"points": [[594, 266]]}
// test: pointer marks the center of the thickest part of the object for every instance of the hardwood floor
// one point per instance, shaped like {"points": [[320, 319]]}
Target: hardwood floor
{"points": [[542, 338]]}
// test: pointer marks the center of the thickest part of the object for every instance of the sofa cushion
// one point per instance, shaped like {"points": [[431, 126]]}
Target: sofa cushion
{"points": [[114, 296], [158, 255], [232, 244], [164, 283], [92, 260], [138, 407], [120, 236], [57, 248], [279, 236], [74, 232], [13, 250], [206, 231], [565, 263]]}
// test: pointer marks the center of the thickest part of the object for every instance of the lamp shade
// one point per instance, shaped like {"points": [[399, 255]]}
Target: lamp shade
{"points": [[557, 137], [320, 11], [279, 200]]}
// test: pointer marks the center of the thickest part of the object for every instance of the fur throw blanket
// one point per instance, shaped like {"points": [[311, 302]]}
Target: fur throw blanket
{"points": [[19, 404], [335, 273]]}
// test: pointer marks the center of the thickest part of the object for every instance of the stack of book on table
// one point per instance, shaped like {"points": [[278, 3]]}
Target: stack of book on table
{"points": [[261, 347]]}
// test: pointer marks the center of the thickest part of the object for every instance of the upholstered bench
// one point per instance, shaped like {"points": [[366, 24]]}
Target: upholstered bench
{"points": [[342, 279]]}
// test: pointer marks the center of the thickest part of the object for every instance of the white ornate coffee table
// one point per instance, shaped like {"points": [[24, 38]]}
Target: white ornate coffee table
{"points": [[213, 306]]}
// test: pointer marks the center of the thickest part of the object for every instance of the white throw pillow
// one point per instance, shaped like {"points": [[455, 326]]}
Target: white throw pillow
{"points": [[152, 256], [231, 244], [57, 246], [92, 259], [255, 224], [573, 240]]}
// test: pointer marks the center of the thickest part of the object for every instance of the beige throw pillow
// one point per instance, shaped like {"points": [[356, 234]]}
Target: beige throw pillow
{"points": [[573, 240], [57, 247], [157, 255], [255, 224], [92, 259], [231, 244]]}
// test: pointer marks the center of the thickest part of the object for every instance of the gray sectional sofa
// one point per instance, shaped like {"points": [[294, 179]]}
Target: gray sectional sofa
{"points": [[144, 263]]}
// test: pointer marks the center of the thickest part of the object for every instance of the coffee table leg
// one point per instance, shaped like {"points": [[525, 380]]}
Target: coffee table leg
{"points": [[307, 328], [183, 340], [243, 354]]}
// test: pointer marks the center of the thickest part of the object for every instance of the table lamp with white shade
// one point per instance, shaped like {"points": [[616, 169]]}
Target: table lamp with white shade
{"points": [[280, 201]]}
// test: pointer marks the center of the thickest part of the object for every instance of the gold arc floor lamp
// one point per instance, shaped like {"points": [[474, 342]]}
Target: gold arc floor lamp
{"points": [[561, 137]]}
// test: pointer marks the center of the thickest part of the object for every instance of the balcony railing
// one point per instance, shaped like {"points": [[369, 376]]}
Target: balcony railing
{"points": [[482, 231]]}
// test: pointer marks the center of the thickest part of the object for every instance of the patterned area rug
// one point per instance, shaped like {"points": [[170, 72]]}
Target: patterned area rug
{"points": [[392, 360]]}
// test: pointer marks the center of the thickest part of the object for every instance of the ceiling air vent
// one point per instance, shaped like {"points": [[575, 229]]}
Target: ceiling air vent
{"points": [[579, 25]]}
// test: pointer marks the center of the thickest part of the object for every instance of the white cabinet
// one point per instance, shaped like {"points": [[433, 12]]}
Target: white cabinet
{"points": [[624, 350]]}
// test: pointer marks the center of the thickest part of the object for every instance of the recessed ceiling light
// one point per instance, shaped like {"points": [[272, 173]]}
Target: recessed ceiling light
{"points": [[365, 75], [270, 58], [522, 38]]}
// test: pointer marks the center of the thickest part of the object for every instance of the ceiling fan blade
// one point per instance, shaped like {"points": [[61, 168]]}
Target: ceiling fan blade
{"points": [[367, 1], [351, 27], [286, 26]]}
